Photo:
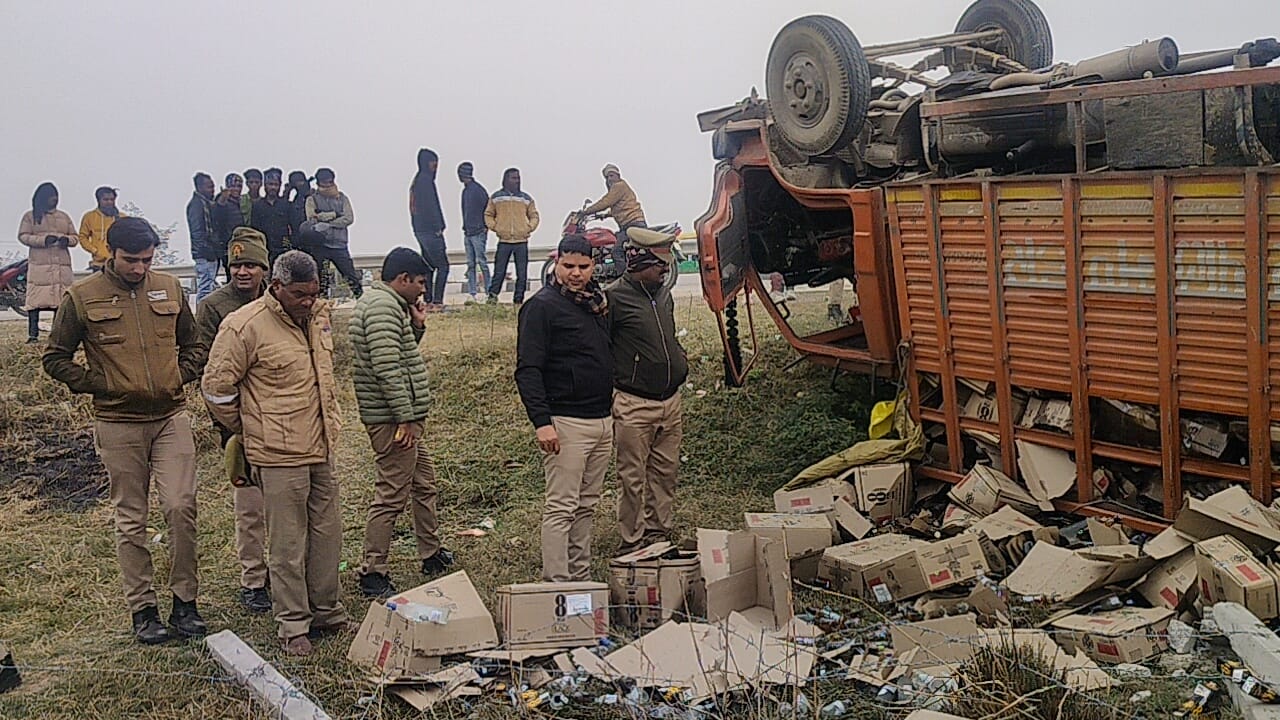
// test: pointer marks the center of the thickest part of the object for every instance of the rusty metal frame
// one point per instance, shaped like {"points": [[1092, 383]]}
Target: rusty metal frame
{"points": [[999, 341], [1260, 472], [942, 314], [1166, 346], [1081, 422]]}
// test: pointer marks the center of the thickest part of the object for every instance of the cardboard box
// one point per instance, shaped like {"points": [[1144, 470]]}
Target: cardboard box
{"points": [[956, 519], [1062, 575], [881, 492], [800, 535], [849, 521], [819, 497], [1048, 472], [397, 646], [1207, 519], [651, 585], [1047, 413], [743, 571], [941, 642], [1230, 573], [889, 568], [1126, 635], [1172, 584], [1204, 439], [553, 615], [985, 490]]}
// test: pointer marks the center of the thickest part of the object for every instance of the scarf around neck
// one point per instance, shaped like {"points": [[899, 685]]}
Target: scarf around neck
{"points": [[590, 298], [329, 192]]}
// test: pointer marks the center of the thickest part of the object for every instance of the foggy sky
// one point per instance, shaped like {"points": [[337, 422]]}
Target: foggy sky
{"points": [[141, 95]]}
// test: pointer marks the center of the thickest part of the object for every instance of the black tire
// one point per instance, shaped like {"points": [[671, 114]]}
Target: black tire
{"points": [[19, 309], [673, 274], [548, 267], [1028, 39], [818, 84]]}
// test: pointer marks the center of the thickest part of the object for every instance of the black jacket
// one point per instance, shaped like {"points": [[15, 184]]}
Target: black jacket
{"points": [[474, 201], [226, 218], [272, 220], [563, 365], [200, 227], [425, 212], [647, 358]]}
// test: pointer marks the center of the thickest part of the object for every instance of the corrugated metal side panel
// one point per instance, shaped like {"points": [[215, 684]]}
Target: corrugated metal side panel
{"points": [[1271, 241], [921, 305], [1117, 246], [964, 268], [1033, 275], [1210, 327]]}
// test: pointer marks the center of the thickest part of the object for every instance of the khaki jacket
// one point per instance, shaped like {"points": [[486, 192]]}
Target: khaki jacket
{"points": [[48, 268], [622, 204], [511, 216], [140, 343], [273, 383]]}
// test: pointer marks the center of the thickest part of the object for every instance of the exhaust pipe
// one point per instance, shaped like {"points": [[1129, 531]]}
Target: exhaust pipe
{"points": [[1154, 57]]}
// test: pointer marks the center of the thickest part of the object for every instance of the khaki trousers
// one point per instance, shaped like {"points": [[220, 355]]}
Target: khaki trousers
{"points": [[135, 454], [404, 476], [575, 477], [251, 528], [647, 434], [304, 535]]}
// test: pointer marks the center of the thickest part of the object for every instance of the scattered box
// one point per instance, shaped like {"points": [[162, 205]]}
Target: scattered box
{"points": [[1049, 472], [1206, 519], [819, 497], [800, 535], [1204, 439], [1062, 575], [1119, 636], [651, 585], [398, 646], [743, 571], [889, 568], [1230, 573], [848, 519], [1048, 413], [553, 615], [985, 490], [956, 519], [1167, 543], [945, 641], [1172, 583], [881, 492]]}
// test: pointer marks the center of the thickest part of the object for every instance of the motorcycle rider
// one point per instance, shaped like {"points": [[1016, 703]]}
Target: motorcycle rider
{"points": [[621, 204]]}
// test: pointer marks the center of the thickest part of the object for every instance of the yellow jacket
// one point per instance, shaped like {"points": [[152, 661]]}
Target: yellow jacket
{"points": [[622, 204], [511, 216], [93, 235]]}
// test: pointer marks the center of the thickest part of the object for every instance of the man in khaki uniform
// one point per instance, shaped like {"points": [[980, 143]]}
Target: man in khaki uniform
{"points": [[565, 376], [140, 346], [247, 258], [649, 366], [270, 379], [390, 377]]}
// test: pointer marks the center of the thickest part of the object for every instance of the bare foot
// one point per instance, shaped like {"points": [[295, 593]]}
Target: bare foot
{"points": [[298, 646]]}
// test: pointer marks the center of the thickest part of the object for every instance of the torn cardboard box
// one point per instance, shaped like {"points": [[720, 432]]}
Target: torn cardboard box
{"points": [[408, 635], [800, 535], [437, 687], [819, 497], [881, 492], [1106, 533], [553, 615], [1004, 535], [1172, 583], [1167, 543], [1204, 438], [985, 407], [1230, 573], [956, 519], [940, 643], [1047, 413], [889, 568], [850, 522], [1119, 636], [1063, 575], [651, 585], [985, 490], [1205, 519], [1049, 472], [743, 571]]}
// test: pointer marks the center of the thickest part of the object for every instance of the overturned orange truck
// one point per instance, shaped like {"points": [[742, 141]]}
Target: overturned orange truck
{"points": [[1082, 257]]}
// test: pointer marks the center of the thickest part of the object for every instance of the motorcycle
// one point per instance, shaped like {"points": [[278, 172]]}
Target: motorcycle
{"points": [[603, 242], [13, 286]]}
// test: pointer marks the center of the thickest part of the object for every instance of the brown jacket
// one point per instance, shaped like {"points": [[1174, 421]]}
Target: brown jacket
{"points": [[273, 383], [140, 342], [49, 268], [622, 204]]}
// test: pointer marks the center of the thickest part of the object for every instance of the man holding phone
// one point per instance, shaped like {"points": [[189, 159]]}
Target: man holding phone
{"points": [[390, 377]]}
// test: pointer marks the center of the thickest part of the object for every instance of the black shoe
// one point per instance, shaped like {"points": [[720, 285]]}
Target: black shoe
{"points": [[438, 563], [255, 600], [186, 619], [376, 585], [147, 627], [33, 341]]}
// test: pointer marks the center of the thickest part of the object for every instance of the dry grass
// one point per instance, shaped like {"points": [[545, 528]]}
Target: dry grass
{"points": [[60, 601]]}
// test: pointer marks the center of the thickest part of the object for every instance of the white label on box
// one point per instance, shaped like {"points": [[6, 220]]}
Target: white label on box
{"points": [[577, 604], [881, 591], [1249, 684]]}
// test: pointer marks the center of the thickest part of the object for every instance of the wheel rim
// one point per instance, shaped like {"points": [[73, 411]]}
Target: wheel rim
{"points": [[805, 90]]}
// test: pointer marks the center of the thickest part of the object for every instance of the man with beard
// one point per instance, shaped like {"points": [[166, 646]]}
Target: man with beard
{"points": [[95, 224], [253, 187], [564, 372], [271, 215], [204, 250], [247, 256], [428, 227], [324, 232], [475, 235], [227, 216], [512, 215]]}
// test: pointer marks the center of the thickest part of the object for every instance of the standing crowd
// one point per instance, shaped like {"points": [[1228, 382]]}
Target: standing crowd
{"points": [[598, 369]]}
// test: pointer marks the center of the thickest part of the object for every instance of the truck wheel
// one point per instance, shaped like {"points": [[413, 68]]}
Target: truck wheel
{"points": [[818, 84], [1027, 39]]}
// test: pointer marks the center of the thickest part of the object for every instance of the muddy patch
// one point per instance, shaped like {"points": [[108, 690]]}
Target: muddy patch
{"points": [[61, 470]]}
